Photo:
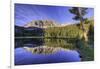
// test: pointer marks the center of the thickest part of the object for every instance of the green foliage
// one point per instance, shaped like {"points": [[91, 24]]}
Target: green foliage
{"points": [[91, 30], [91, 33], [87, 21], [70, 31], [79, 12], [85, 51]]}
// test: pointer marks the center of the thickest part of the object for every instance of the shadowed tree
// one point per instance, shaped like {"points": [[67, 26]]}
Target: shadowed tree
{"points": [[79, 13]]}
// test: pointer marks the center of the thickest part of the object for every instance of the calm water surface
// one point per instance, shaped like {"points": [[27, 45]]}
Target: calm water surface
{"points": [[24, 57]]}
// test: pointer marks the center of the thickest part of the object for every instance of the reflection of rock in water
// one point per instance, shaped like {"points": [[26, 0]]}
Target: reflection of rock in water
{"points": [[43, 49]]}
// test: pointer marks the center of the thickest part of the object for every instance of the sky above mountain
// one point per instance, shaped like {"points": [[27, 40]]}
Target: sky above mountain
{"points": [[25, 13]]}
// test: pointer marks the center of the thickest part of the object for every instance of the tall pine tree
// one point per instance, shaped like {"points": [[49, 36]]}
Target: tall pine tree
{"points": [[79, 13]]}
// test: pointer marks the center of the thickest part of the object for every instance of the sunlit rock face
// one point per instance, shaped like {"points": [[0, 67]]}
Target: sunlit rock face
{"points": [[41, 24], [43, 49]]}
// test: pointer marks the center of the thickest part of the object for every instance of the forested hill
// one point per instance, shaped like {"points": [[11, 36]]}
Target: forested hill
{"points": [[70, 31]]}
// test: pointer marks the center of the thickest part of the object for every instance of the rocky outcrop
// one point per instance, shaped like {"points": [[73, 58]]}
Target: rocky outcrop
{"points": [[41, 24]]}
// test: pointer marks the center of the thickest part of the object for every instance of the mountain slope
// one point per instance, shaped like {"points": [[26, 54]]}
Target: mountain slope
{"points": [[41, 24]]}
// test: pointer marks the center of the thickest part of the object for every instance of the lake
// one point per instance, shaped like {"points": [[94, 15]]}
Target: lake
{"points": [[25, 57]]}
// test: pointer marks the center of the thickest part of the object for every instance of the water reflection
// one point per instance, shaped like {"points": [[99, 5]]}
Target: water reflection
{"points": [[24, 57], [34, 42], [64, 43], [30, 42]]}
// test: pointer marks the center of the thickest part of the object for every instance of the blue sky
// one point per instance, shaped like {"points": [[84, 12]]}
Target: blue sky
{"points": [[25, 13]]}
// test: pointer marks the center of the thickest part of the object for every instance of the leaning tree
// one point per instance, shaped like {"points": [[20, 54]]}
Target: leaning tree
{"points": [[79, 13]]}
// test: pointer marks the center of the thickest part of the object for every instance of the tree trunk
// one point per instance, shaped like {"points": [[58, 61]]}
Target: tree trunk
{"points": [[84, 31], [82, 25], [85, 36]]}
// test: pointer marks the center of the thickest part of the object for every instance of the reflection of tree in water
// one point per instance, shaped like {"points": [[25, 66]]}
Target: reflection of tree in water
{"points": [[64, 43], [29, 42], [53, 42]]}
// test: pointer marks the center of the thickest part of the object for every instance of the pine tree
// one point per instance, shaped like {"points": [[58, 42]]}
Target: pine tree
{"points": [[79, 13]]}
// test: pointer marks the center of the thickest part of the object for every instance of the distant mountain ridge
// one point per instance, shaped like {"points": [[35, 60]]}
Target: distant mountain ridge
{"points": [[41, 24]]}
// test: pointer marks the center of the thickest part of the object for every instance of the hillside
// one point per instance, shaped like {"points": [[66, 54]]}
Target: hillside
{"points": [[69, 31]]}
